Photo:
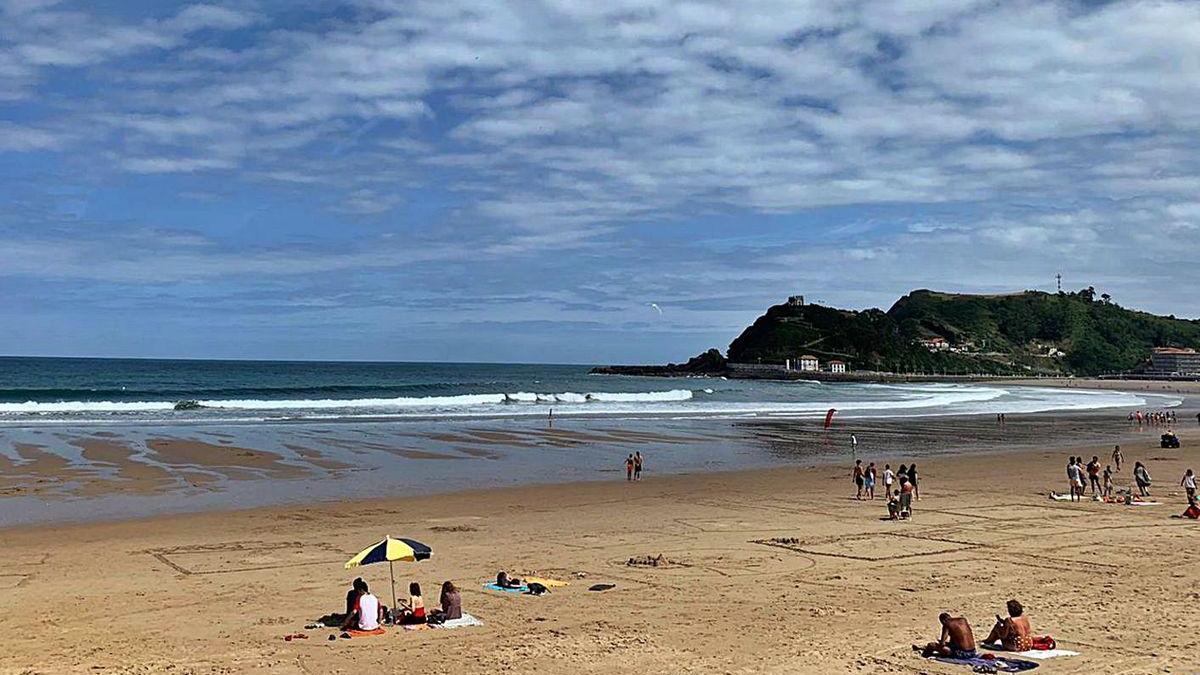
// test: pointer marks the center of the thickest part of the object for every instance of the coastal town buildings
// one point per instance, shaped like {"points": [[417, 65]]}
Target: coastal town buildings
{"points": [[809, 363], [1173, 361], [936, 343], [836, 366]]}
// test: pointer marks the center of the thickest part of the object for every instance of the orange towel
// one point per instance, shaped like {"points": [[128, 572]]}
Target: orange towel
{"points": [[367, 633]]}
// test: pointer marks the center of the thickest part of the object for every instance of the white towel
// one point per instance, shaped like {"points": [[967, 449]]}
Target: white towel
{"points": [[465, 622], [1041, 654]]}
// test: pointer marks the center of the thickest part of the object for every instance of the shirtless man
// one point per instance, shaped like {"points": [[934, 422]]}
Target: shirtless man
{"points": [[957, 641]]}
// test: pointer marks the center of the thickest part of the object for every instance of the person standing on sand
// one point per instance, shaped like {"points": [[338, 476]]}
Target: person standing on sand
{"points": [[889, 477], [853, 444], [1093, 471], [1108, 482], [1189, 483], [859, 478], [1117, 457], [629, 468], [637, 465], [869, 480], [1142, 478], [1073, 478], [912, 478]]}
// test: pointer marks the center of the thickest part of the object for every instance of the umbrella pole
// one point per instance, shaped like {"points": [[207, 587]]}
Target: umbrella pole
{"points": [[393, 572]]}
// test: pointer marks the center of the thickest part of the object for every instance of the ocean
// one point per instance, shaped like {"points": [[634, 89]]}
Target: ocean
{"points": [[136, 391], [143, 390]]}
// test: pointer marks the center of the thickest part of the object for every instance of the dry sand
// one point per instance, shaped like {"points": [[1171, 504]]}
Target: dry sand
{"points": [[216, 592]]}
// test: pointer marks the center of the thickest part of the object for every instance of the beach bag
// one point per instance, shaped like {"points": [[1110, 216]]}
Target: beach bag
{"points": [[1042, 643]]}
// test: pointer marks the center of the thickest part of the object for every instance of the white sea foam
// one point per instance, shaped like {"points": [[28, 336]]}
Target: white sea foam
{"points": [[757, 399]]}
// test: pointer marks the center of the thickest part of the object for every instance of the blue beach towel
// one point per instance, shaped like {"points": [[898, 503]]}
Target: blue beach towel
{"points": [[519, 589], [1002, 665]]}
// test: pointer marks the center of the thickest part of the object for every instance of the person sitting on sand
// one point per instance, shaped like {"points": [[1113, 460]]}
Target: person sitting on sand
{"points": [[366, 613], [503, 580], [1142, 478], [450, 603], [413, 611], [957, 640], [893, 504], [1014, 633]]}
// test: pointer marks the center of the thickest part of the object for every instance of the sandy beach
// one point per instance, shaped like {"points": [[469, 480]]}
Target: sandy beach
{"points": [[773, 570]]}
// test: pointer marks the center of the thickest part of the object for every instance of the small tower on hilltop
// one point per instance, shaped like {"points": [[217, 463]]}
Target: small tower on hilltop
{"points": [[795, 301]]}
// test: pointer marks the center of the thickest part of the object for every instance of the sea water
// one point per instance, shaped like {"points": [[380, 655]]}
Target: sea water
{"points": [[142, 391]]}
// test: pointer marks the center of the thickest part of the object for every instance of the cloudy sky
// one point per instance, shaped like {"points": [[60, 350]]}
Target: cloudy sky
{"points": [[517, 181]]}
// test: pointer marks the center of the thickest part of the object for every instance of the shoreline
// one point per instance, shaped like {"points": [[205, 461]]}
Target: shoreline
{"points": [[213, 471], [819, 582]]}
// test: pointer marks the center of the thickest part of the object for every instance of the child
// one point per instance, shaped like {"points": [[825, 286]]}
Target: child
{"points": [[889, 477], [629, 468], [893, 504], [1108, 482], [1189, 484]]}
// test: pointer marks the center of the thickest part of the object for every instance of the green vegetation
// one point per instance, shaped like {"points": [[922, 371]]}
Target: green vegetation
{"points": [[1022, 333]]}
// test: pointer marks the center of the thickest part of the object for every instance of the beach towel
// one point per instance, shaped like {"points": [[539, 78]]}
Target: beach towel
{"points": [[1001, 665], [1061, 498], [1037, 654], [417, 626], [1145, 504], [367, 633], [504, 589], [548, 583], [467, 621]]}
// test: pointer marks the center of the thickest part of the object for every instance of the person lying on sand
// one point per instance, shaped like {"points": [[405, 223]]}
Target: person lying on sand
{"points": [[1014, 633], [957, 640], [366, 612]]}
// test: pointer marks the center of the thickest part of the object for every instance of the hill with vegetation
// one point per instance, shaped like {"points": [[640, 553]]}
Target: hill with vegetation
{"points": [[931, 332]]}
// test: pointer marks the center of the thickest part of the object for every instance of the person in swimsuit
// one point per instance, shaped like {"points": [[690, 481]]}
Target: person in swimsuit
{"points": [[413, 612], [957, 640], [912, 478], [1014, 633], [1108, 482], [629, 468], [637, 465], [1117, 457], [1093, 472], [869, 480]]}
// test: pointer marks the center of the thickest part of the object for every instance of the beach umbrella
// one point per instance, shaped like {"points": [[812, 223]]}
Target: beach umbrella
{"points": [[390, 550]]}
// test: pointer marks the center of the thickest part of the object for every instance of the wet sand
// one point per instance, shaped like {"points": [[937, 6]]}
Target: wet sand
{"points": [[775, 571]]}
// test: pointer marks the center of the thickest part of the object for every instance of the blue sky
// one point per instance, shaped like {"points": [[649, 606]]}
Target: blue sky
{"points": [[518, 181]]}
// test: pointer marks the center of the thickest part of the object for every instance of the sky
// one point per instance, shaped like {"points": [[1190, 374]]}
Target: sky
{"points": [[519, 181]]}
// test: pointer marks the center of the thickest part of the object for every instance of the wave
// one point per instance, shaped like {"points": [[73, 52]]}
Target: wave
{"points": [[460, 401]]}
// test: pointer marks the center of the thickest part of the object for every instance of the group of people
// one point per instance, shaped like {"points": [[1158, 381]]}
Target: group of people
{"points": [[1012, 633], [633, 466], [1081, 476], [1154, 417], [900, 488], [364, 611]]}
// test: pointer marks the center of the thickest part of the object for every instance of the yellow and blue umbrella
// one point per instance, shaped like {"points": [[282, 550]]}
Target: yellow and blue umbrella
{"points": [[390, 550]]}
